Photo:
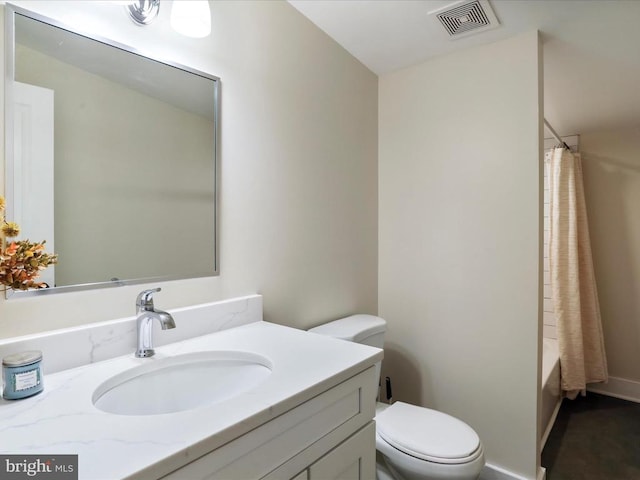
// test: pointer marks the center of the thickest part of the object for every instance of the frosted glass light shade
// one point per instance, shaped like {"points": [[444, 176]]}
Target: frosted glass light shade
{"points": [[191, 18]]}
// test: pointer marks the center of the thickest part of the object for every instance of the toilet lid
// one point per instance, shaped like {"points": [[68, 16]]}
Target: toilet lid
{"points": [[427, 434]]}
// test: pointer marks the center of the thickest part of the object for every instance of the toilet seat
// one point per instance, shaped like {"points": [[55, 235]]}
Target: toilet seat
{"points": [[428, 434]]}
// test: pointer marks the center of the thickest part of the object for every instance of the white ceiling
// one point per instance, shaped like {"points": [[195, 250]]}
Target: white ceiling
{"points": [[591, 48]]}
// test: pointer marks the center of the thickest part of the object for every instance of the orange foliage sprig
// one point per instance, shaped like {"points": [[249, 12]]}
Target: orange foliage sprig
{"points": [[21, 261]]}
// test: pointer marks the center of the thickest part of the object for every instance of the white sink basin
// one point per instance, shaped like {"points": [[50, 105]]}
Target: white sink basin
{"points": [[181, 382]]}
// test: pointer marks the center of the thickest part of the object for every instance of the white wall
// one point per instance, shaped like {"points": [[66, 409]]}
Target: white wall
{"points": [[298, 165], [611, 170], [460, 240]]}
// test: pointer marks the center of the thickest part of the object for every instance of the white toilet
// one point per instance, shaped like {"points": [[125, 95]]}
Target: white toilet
{"points": [[413, 443]]}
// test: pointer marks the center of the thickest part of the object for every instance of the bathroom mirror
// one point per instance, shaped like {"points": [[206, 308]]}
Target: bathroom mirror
{"points": [[111, 158]]}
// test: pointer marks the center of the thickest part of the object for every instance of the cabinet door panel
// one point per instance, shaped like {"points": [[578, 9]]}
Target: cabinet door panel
{"points": [[288, 444], [353, 459]]}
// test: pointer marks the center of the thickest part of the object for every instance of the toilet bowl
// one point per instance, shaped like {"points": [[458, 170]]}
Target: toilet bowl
{"points": [[418, 443], [412, 442]]}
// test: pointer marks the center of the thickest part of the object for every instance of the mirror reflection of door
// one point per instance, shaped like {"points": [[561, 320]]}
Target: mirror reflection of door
{"points": [[33, 167]]}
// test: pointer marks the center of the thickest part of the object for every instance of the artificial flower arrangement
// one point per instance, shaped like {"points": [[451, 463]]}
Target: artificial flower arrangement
{"points": [[21, 260]]}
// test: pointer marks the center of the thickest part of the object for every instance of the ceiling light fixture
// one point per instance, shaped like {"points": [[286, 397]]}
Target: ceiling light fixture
{"points": [[191, 18], [188, 17], [143, 12]]}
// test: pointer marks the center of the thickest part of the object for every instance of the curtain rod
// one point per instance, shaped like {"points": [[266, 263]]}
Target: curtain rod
{"points": [[555, 135]]}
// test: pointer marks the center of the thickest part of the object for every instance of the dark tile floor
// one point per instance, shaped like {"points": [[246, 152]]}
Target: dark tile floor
{"points": [[594, 438]]}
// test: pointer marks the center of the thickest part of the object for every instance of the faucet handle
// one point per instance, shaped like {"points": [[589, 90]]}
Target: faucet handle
{"points": [[145, 299]]}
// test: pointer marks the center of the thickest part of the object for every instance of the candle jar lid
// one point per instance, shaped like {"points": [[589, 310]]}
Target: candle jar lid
{"points": [[21, 359]]}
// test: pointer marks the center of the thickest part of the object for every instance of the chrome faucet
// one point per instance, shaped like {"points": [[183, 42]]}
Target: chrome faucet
{"points": [[146, 313]]}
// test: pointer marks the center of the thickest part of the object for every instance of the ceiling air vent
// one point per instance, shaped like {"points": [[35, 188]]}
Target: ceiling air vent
{"points": [[464, 18]]}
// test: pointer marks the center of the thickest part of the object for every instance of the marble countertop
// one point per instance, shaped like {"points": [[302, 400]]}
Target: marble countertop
{"points": [[63, 419]]}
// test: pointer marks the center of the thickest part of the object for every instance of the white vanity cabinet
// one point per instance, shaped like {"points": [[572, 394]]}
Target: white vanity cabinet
{"points": [[311, 418], [330, 436]]}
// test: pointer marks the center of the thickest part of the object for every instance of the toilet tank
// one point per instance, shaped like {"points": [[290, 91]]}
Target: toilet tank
{"points": [[364, 329], [361, 328]]}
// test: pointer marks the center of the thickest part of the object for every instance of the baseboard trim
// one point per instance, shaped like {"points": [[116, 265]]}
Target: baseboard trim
{"points": [[542, 473], [619, 388], [493, 472]]}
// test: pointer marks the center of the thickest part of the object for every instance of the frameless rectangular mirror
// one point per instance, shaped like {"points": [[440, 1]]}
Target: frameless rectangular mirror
{"points": [[111, 158]]}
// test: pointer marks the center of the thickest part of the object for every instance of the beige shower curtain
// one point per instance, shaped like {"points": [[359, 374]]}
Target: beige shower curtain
{"points": [[573, 286]]}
